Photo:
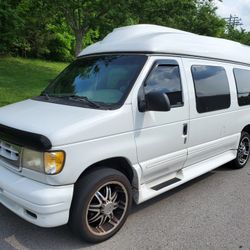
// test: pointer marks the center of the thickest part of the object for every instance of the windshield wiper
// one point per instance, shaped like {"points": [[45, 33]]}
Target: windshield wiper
{"points": [[83, 99]]}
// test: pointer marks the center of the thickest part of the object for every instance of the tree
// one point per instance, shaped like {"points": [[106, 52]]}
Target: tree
{"points": [[36, 35], [10, 25], [163, 12], [238, 35], [59, 29], [190, 15], [205, 20], [84, 16]]}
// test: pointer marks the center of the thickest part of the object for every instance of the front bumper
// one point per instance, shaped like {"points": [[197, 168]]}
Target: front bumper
{"points": [[38, 203]]}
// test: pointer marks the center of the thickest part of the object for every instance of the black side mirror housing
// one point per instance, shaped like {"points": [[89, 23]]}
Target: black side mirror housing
{"points": [[154, 101]]}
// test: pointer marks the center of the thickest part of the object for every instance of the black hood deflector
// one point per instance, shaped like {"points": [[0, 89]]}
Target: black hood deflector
{"points": [[25, 139]]}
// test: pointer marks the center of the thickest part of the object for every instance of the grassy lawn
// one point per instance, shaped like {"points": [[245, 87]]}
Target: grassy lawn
{"points": [[23, 78]]}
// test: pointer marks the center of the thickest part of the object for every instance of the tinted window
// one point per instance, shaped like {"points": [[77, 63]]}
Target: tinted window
{"points": [[166, 79], [211, 87], [105, 80], [242, 78]]}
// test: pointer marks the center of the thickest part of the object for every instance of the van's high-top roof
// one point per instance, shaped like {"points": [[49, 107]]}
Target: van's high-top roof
{"points": [[159, 39]]}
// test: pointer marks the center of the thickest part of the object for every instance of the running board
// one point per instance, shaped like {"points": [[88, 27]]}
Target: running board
{"points": [[165, 184], [147, 191]]}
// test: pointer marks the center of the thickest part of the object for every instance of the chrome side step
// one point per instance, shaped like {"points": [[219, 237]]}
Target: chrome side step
{"points": [[147, 191]]}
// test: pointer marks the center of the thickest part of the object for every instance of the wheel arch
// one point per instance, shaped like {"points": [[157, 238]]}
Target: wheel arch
{"points": [[121, 164], [246, 129]]}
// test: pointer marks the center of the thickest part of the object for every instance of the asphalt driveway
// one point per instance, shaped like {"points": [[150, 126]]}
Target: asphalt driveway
{"points": [[210, 212]]}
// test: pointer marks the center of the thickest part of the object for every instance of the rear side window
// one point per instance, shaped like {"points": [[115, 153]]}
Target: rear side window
{"points": [[211, 88], [242, 78], [167, 79]]}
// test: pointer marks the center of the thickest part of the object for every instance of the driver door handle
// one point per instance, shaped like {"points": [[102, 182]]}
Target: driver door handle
{"points": [[185, 129]]}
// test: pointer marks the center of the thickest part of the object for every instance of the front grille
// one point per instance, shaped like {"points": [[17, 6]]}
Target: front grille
{"points": [[10, 153]]}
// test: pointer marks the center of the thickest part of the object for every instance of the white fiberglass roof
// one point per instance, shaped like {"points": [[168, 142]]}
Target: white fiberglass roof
{"points": [[159, 39]]}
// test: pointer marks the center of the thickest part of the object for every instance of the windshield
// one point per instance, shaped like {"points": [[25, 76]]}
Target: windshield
{"points": [[100, 80]]}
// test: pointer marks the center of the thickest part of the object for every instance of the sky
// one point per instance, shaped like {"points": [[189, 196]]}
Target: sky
{"points": [[240, 8]]}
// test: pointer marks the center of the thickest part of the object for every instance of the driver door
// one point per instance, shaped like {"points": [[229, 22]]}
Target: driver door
{"points": [[161, 137]]}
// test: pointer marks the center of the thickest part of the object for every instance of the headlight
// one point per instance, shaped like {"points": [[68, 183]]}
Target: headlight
{"points": [[33, 160], [47, 162]]}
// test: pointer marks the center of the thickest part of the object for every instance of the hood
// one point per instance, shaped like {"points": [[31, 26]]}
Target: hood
{"points": [[63, 124]]}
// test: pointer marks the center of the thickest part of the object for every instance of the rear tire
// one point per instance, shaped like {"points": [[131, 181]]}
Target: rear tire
{"points": [[101, 205], [243, 152]]}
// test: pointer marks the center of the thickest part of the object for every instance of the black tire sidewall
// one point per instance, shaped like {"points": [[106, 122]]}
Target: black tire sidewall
{"points": [[84, 191]]}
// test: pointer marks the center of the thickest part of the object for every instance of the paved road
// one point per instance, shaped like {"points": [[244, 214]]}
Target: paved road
{"points": [[211, 212]]}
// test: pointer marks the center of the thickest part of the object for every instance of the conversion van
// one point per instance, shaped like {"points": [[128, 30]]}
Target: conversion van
{"points": [[137, 114]]}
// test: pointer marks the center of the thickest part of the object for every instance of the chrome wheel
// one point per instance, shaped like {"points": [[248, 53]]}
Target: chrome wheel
{"points": [[243, 150], [106, 208]]}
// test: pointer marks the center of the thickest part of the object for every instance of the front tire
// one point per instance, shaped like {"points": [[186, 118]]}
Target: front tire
{"points": [[101, 204], [243, 152]]}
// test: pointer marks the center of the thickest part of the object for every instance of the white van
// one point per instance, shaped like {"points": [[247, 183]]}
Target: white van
{"points": [[137, 114]]}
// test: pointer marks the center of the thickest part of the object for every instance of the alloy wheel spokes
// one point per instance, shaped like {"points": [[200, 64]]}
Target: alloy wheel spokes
{"points": [[114, 221], [96, 217], [101, 198], [243, 151], [107, 208], [108, 193], [114, 196]]}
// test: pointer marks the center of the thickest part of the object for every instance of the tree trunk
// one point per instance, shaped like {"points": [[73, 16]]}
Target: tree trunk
{"points": [[79, 40]]}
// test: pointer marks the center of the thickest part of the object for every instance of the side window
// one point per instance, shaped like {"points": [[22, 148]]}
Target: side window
{"points": [[167, 79], [211, 88], [242, 78]]}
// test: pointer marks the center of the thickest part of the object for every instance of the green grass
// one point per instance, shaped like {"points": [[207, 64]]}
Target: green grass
{"points": [[23, 78]]}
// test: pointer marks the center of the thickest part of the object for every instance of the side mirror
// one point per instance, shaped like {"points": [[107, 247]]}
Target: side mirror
{"points": [[154, 101]]}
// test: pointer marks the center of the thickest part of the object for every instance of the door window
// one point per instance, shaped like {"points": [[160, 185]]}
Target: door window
{"points": [[242, 78], [211, 88], [166, 78]]}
